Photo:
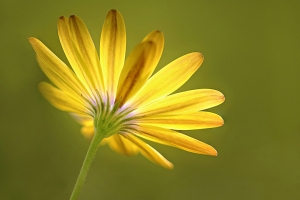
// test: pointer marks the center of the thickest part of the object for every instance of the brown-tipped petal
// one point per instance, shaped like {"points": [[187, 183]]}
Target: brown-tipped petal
{"points": [[149, 152], [176, 139], [112, 50], [199, 120], [61, 100], [137, 70], [122, 145], [168, 79], [183, 103]]}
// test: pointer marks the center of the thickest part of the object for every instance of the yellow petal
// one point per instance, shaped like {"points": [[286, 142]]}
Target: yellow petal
{"points": [[87, 132], [168, 79], [149, 152], [122, 145], [137, 70], [176, 139], [199, 120], [84, 120], [62, 101], [112, 50], [183, 103], [56, 70], [73, 54], [60, 82], [157, 38], [86, 48]]}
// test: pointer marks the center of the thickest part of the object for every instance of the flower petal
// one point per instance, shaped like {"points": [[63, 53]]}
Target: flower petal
{"points": [[57, 79], [112, 50], [175, 139], [73, 54], [87, 132], [61, 100], [86, 48], [56, 70], [183, 103], [84, 120], [149, 152], [157, 37], [137, 69], [199, 120], [122, 145], [140, 65], [168, 79]]}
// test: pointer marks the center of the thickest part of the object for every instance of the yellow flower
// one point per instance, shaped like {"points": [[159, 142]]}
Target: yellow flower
{"points": [[120, 97]]}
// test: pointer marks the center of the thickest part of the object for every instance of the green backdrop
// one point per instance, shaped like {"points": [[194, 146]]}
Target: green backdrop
{"points": [[251, 51]]}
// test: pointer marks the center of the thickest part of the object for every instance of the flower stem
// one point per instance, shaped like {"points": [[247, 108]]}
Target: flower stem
{"points": [[90, 155]]}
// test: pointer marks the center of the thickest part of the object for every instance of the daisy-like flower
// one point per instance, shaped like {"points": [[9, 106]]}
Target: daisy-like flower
{"points": [[117, 100]]}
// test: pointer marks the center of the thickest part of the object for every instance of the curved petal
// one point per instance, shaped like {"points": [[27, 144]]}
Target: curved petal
{"points": [[84, 120], [175, 139], [73, 54], [140, 65], [55, 69], [199, 120], [86, 48], [58, 80], [62, 101], [122, 145], [137, 69], [112, 50], [157, 37], [168, 79], [149, 152], [183, 103], [87, 132]]}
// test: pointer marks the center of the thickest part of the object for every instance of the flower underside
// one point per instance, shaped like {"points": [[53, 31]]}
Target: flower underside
{"points": [[121, 98]]}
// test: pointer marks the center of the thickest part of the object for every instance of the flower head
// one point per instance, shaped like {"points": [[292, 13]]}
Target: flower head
{"points": [[120, 97]]}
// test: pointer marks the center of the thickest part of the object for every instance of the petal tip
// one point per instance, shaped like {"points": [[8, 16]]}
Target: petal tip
{"points": [[112, 11], [170, 166], [31, 39], [212, 152]]}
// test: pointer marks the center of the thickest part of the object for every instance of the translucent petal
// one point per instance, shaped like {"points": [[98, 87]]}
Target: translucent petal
{"points": [[168, 79], [175, 139], [137, 70], [112, 50], [183, 103], [86, 48], [199, 120], [122, 145], [140, 65], [149, 152], [62, 101], [157, 38], [87, 132], [73, 54], [57, 79], [56, 70], [84, 120]]}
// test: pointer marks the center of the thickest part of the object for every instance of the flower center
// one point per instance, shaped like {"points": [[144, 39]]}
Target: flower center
{"points": [[111, 119]]}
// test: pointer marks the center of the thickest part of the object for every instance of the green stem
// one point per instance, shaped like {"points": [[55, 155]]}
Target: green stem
{"points": [[90, 155]]}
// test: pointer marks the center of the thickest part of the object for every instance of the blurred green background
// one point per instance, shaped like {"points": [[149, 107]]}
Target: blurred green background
{"points": [[251, 51]]}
